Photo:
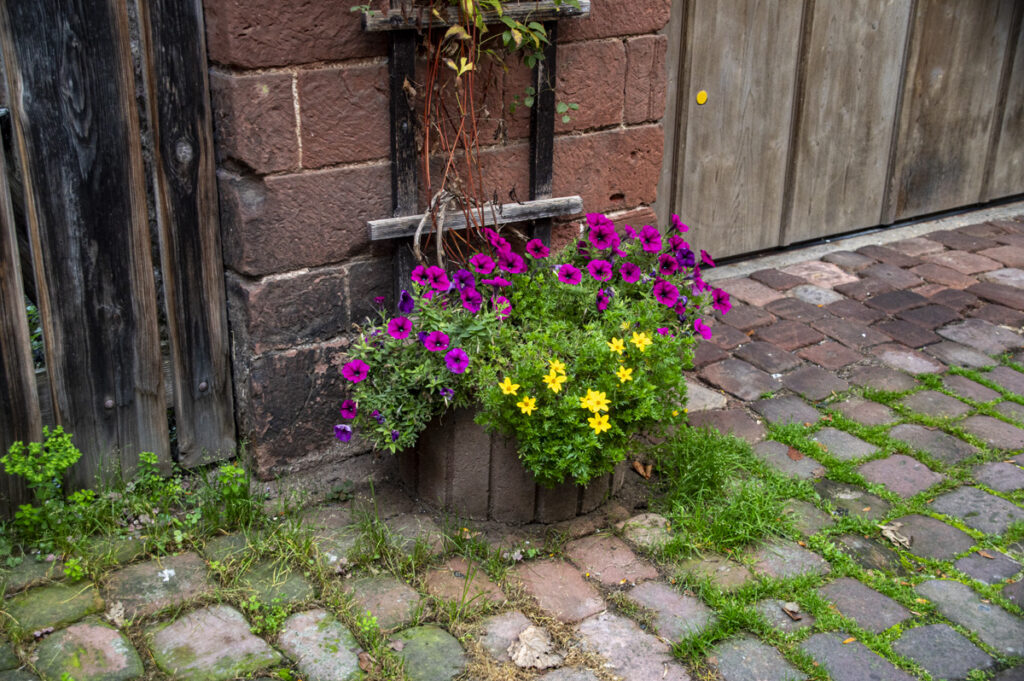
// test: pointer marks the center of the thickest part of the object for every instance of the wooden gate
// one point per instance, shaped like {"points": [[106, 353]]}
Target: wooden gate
{"points": [[76, 128], [826, 117]]}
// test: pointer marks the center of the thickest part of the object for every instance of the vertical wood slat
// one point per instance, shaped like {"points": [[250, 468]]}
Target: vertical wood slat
{"points": [[19, 407], [542, 129], [78, 137], [949, 103], [854, 61], [1005, 175], [190, 250], [736, 145], [404, 182]]}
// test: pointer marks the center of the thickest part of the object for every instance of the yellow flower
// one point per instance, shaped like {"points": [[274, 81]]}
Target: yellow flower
{"points": [[624, 325], [641, 340], [599, 422], [557, 367], [508, 387], [554, 381], [595, 401], [624, 374], [616, 345], [527, 405]]}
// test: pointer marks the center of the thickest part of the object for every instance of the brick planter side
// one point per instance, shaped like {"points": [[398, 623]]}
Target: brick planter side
{"points": [[461, 468]]}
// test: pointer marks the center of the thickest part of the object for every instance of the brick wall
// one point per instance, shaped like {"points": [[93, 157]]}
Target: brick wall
{"points": [[300, 104]]}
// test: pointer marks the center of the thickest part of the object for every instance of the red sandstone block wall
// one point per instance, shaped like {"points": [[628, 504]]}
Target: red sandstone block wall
{"points": [[301, 120]]}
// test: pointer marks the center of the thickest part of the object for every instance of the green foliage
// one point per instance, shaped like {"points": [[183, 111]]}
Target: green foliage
{"points": [[42, 464], [73, 569], [265, 619]]}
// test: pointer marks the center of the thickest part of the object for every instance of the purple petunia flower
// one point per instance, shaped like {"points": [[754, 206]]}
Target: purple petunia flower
{"points": [[680, 308], [662, 331], [630, 272], [603, 236], [436, 341], [702, 328], [581, 248], [419, 275], [537, 249], [377, 416], [349, 409], [394, 435], [496, 281], [720, 300], [630, 232], [699, 284], [355, 370], [378, 300], [438, 278], [677, 243], [685, 257], [464, 279], [706, 259], [483, 264], [678, 224], [405, 303], [600, 270], [502, 306], [497, 242], [650, 239], [665, 292], [667, 264], [471, 299], [457, 360], [399, 327], [567, 274], [447, 393], [602, 300], [343, 432], [510, 261]]}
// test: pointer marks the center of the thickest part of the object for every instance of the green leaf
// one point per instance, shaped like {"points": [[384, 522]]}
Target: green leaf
{"points": [[566, 119], [528, 102], [562, 107]]}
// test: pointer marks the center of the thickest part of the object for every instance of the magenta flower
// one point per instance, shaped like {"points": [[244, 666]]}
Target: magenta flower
{"points": [[348, 409], [497, 242], [630, 232], [438, 279], [377, 416], [405, 303], [355, 371], [419, 275], [662, 331], [537, 249], [600, 269], [650, 239], [464, 279], [436, 341], [678, 224], [567, 274], [677, 243], [699, 284], [685, 257], [665, 292], [630, 272], [457, 360], [343, 432], [496, 281], [603, 236], [720, 300], [667, 264], [602, 300], [399, 327], [483, 264], [680, 308], [511, 261], [706, 259], [702, 328], [471, 299], [502, 306]]}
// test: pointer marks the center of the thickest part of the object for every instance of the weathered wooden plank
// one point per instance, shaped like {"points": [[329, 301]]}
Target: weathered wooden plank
{"points": [[70, 71], [19, 408], [542, 129], [1007, 172], [853, 77], [949, 101], [190, 252], [736, 145], [405, 226], [408, 17]]}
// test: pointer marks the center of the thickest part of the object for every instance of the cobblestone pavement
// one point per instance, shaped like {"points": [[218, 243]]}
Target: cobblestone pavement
{"points": [[907, 343]]}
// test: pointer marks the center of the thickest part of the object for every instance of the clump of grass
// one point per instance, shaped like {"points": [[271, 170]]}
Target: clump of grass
{"points": [[717, 494]]}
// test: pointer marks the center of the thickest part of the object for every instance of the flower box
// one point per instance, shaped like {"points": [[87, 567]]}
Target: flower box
{"points": [[459, 467]]}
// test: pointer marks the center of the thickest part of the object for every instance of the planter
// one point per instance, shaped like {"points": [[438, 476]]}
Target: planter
{"points": [[459, 467]]}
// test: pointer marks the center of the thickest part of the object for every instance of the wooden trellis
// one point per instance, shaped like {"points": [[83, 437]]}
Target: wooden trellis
{"points": [[402, 23]]}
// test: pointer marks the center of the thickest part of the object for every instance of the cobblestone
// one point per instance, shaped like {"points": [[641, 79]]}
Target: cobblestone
{"points": [[807, 518], [991, 568], [560, 589], [905, 359], [841, 445], [814, 383], [932, 538], [781, 458], [868, 608], [968, 389], [745, 658], [954, 354], [392, 602], [865, 412], [796, 310], [901, 474], [962, 605], [739, 378], [782, 559], [786, 410], [772, 611], [942, 651], [981, 335], [830, 355], [321, 647], [145, 588], [1000, 476], [870, 553], [935, 443], [979, 510], [882, 378], [909, 334], [632, 654], [768, 357], [726, 574], [850, 661], [851, 500], [608, 559], [814, 295], [730, 421], [994, 433], [675, 615]]}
